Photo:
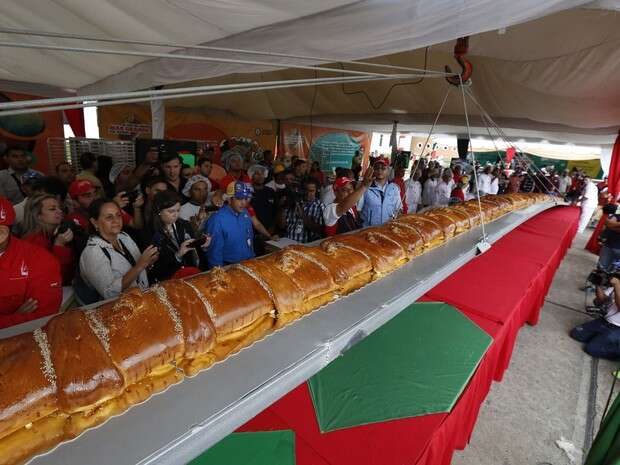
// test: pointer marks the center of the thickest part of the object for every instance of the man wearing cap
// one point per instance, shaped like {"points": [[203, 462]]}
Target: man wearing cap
{"points": [[230, 228], [121, 177], [197, 190], [381, 202], [83, 194], [11, 179], [443, 190], [30, 276], [430, 185], [235, 172], [28, 180], [341, 216]]}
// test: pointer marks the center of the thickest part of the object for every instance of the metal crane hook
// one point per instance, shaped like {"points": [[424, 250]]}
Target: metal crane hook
{"points": [[460, 50]]}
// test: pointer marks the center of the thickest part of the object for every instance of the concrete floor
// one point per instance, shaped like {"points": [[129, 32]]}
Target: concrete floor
{"points": [[548, 392]]}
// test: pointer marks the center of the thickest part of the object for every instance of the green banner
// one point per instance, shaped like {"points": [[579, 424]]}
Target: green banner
{"points": [[590, 167], [416, 364], [263, 448]]}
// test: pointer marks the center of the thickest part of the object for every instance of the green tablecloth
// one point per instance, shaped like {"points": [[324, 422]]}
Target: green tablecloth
{"points": [[416, 364], [265, 448]]}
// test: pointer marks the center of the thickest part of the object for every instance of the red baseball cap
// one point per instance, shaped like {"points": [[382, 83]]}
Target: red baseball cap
{"points": [[381, 160], [7, 212], [340, 182], [80, 187]]}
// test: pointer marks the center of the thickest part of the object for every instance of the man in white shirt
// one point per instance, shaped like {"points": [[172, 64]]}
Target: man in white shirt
{"points": [[444, 189], [602, 335], [564, 182], [428, 193], [589, 202], [413, 192], [494, 188], [484, 181]]}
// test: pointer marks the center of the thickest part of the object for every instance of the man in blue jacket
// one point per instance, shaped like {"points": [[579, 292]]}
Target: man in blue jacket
{"points": [[381, 202], [230, 228]]}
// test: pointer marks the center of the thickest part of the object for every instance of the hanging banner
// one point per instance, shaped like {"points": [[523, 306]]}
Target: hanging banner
{"points": [[30, 131], [331, 147], [591, 167]]}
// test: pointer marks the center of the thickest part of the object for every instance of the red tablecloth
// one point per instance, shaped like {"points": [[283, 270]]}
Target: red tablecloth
{"points": [[512, 278]]}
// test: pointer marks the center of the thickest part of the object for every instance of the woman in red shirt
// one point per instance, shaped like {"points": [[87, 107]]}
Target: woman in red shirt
{"points": [[41, 226]]}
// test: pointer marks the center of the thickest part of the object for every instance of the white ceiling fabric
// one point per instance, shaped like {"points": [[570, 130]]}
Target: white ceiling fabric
{"points": [[555, 63]]}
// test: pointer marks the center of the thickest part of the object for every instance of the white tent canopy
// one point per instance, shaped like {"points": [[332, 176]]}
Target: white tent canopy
{"points": [[549, 65]]}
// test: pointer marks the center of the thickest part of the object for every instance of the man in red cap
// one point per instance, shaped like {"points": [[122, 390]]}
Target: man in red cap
{"points": [[83, 192], [342, 216], [30, 276]]}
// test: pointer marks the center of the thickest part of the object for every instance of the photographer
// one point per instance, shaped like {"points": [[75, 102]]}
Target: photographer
{"points": [[175, 239], [303, 215], [610, 238], [602, 335]]}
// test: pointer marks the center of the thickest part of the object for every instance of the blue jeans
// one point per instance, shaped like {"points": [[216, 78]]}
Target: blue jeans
{"points": [[607, 256], [602, 338]]}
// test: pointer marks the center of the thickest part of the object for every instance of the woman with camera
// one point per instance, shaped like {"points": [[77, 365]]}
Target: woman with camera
{"points": [[111, 261], [180, 249], [43, 225]]}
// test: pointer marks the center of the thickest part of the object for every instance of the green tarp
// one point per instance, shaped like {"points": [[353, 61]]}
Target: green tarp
{"points": [[592, 167], [416, 364], [606, 447], [265, 448]]}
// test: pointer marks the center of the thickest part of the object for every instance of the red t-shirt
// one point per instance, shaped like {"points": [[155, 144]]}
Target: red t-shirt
{"points": [[28, 271], [457, 193], [62, 253]]}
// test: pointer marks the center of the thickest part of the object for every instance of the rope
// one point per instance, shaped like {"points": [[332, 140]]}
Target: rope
{"points": [[529, 165], [445, 99], [473, 156]]}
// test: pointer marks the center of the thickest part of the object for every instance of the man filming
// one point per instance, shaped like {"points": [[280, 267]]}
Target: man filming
{"points": [[602, 335], [610, 238]]}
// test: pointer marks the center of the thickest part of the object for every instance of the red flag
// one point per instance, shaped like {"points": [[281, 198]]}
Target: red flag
{"points": [[613, 187], [75, 118], [510, 153]]}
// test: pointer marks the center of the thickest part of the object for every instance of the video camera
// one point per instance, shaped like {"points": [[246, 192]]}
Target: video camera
{"points": [[610, 208], [602, 277]]}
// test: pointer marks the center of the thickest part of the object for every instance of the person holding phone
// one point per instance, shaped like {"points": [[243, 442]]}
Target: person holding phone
{"points": [[43, 226], [111, 262], [179, 247]]}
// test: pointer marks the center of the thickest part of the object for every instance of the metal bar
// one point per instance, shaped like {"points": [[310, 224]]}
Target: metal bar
{"points": [[264, 86], [176, 56], [151, 92], [175, 426], [59, 35]]}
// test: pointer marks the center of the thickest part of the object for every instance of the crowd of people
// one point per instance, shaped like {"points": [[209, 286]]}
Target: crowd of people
{"points": [[115, 226]]}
